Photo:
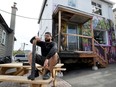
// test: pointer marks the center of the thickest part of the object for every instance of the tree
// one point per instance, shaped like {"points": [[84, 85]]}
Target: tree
{"points": [[15, 52]]}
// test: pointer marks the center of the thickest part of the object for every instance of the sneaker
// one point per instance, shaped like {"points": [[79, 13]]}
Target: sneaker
{"points": [[36, 74], [47, 75]]}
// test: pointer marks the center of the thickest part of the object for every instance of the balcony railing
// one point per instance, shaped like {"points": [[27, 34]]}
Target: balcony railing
{"points": [[75, 42], [101, 51]]}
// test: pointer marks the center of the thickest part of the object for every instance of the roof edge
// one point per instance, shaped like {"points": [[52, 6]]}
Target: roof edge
{"points": [[61, 7], [108, 1], [114, 10], [42, 9], [3, 22]]}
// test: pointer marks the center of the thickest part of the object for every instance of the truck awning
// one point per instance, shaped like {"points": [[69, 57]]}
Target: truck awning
{"points": [[72, 14]]}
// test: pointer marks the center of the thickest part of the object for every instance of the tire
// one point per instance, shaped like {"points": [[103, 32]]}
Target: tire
{"points": [[18, 60]]}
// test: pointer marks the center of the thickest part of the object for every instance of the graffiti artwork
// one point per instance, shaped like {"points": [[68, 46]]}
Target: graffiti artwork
{"points": [[100, 23]]}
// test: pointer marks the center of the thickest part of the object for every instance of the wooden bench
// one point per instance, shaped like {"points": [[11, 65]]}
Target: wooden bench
{"points": [[38, 82]]}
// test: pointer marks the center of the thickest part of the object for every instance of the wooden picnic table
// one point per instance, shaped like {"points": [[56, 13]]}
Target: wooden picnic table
{"points": [[21, 69], [15, 69]]}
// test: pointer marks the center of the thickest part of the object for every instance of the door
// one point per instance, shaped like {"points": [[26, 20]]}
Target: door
{"points": [[72, 40]]}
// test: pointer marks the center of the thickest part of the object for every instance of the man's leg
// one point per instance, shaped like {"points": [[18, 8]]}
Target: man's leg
{"points": [[49, 70], [29, 56], [39, 59], [52, 62]]}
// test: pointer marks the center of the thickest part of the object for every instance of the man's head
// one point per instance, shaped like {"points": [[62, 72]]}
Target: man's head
{"points": [[48, 37]]}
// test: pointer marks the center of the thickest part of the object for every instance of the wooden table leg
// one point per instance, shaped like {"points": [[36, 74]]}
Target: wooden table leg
{"points": [[19, 70], [54, 77], [22, 72], [3, 70]]}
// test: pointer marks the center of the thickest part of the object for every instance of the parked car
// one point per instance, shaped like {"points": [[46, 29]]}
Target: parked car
{"points": [[20, 58]]}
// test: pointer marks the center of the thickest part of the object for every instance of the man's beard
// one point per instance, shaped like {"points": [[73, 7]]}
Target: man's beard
{"points": [[47, 40]]}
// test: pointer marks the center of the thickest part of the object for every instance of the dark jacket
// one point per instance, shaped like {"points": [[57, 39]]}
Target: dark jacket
{"points": [[47, 49]]}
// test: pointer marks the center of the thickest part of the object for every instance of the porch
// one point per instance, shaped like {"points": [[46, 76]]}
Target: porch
{"points": [[73, 31]]}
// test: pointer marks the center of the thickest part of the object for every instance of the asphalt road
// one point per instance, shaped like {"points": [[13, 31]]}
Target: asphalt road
{"points": [[86, 77]]}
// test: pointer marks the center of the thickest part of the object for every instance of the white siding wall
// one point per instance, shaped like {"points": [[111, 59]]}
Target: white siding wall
{"points": [[84, 5], [110, 13], [46, 22], [105, 10], [61, 2]]}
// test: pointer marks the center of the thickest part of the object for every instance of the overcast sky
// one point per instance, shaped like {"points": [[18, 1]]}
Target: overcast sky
{"points": [[24, 28]]}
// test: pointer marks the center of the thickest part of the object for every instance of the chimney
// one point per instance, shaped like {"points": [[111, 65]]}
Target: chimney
{"points": [[11, 35], [13, 16]]}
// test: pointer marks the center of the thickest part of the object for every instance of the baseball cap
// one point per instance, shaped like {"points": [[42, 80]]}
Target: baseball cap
{"points": [[48, 33]]}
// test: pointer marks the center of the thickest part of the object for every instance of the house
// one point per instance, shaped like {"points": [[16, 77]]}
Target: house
{"points": [[4, 34], [7, 34], [83, 29]]}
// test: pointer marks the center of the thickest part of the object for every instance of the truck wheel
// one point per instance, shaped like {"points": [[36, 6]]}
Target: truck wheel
{"points": [[18, 60]]}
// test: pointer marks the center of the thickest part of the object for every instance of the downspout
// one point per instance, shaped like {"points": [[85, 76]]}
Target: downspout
{"points": [[59, 29]]}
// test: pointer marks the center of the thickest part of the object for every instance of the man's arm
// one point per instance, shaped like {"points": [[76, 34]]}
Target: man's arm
{"points": [[37, 38], [52, 51]]}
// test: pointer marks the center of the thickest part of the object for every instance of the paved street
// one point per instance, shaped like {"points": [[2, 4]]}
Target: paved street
{"points": [[104, 77], [82, 77]]}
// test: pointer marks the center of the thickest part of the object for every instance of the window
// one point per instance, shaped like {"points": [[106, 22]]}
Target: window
{"points": [[3, 37], [96, 8], [72, 40], [100, 36], [72, 3]]}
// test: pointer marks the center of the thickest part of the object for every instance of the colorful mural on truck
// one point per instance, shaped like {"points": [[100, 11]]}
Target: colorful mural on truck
{"points": [[99, 24], [103, 24]]}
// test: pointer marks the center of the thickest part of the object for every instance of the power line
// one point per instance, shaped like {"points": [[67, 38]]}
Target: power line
{"points": [[23, 16], [19, 15]]}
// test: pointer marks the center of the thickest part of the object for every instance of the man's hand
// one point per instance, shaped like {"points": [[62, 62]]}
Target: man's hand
{"points": [[37, 38], [46, 63]]}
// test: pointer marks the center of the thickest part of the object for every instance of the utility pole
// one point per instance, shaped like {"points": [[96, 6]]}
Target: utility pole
{"points": [[24, 44]]}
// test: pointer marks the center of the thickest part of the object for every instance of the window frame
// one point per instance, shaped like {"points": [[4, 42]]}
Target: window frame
{"points": [[3, 39], [96, 6], [105, 39], [72, 3]]}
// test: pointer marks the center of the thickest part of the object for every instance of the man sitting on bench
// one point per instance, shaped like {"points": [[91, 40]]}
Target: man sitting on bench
{"points": [[49, 56]]}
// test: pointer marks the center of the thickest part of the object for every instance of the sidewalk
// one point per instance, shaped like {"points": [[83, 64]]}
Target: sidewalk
{"points": [[103, 77]]}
